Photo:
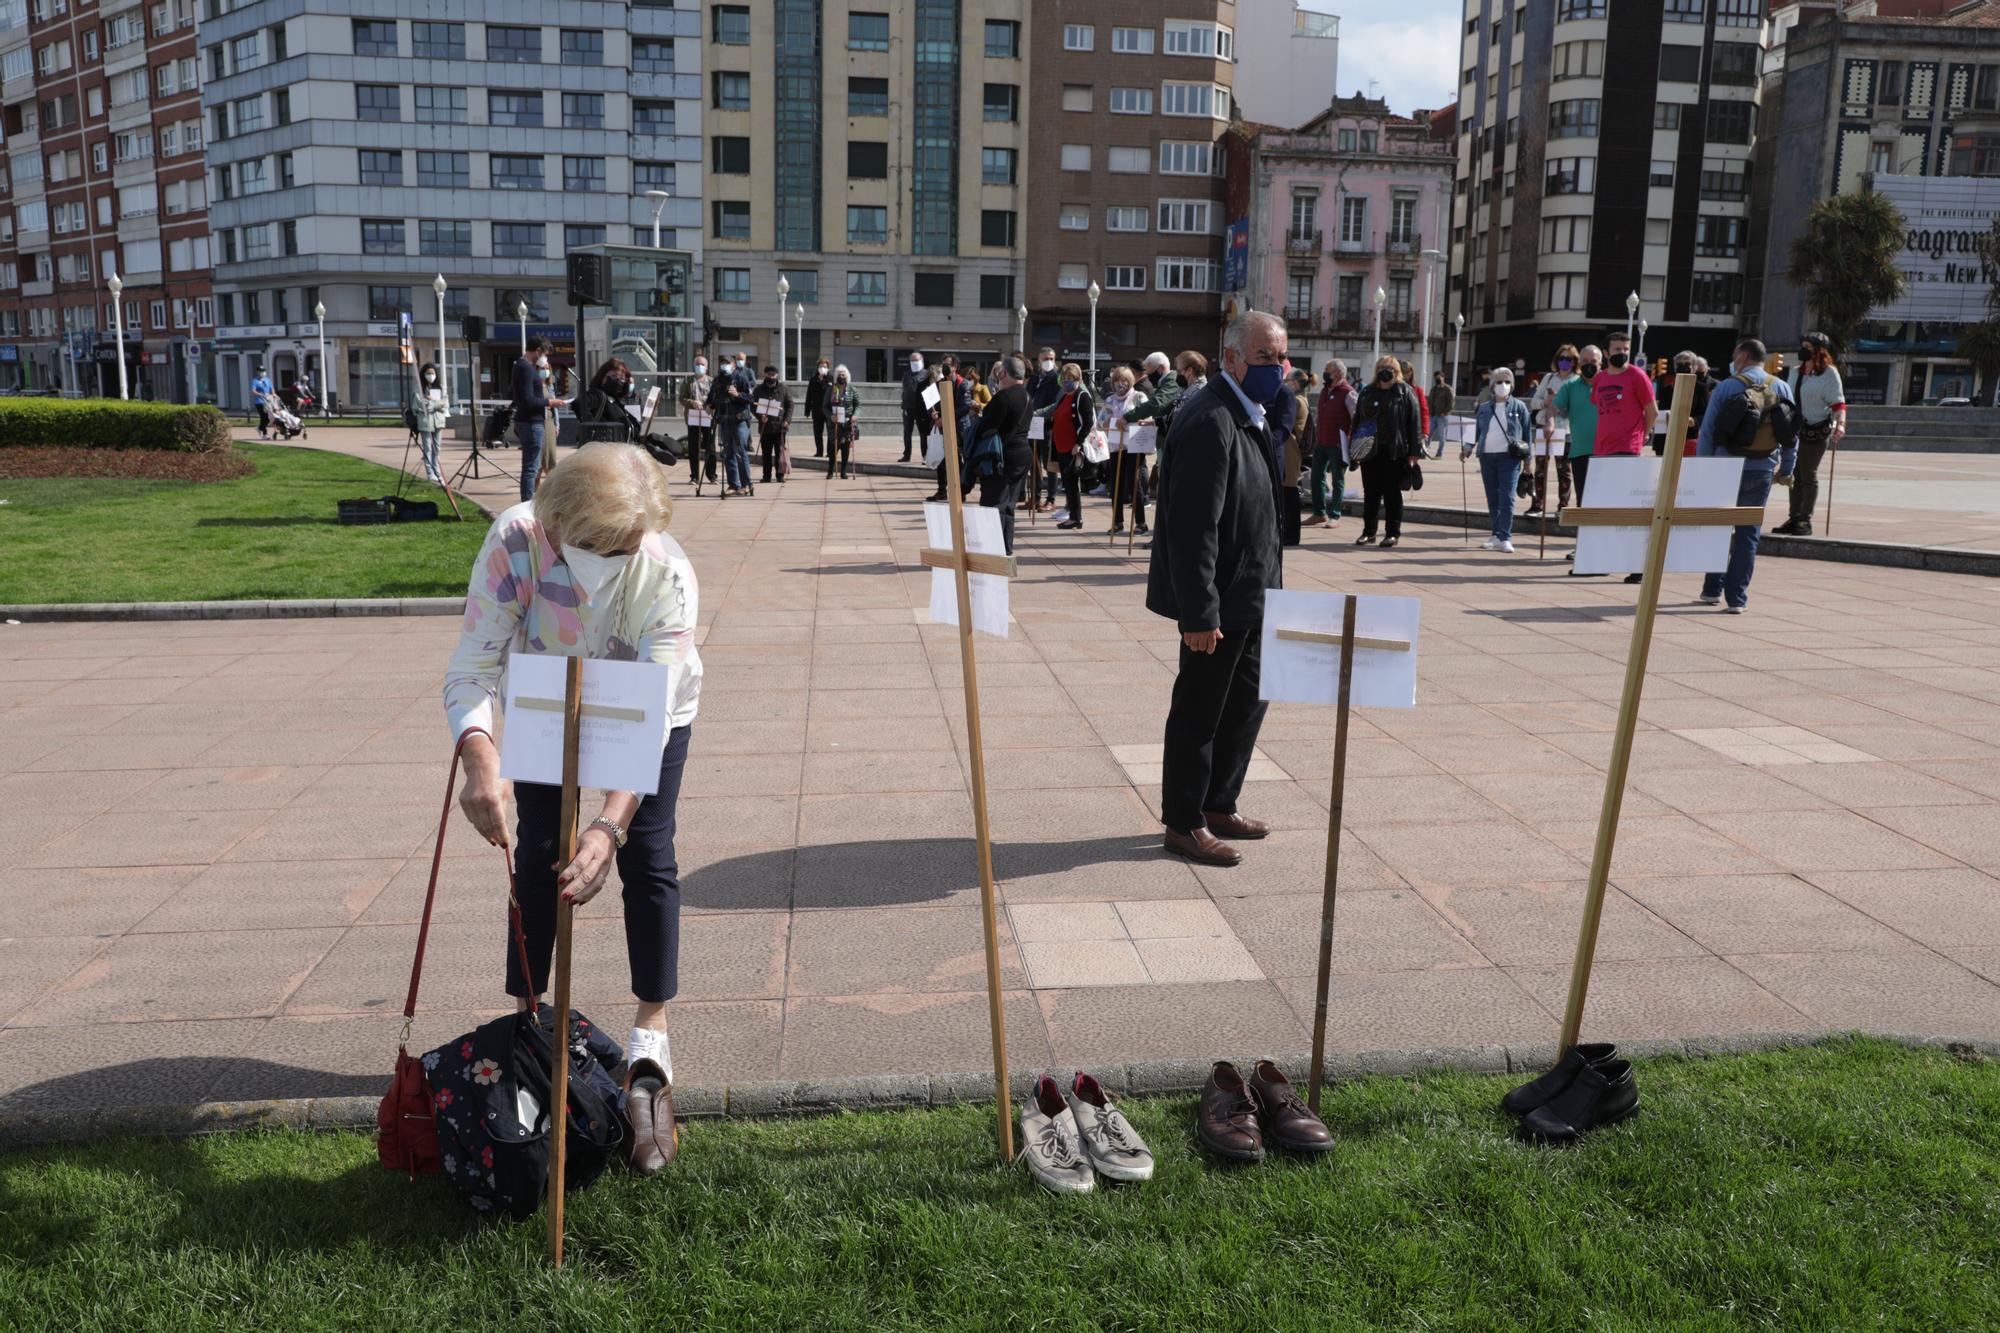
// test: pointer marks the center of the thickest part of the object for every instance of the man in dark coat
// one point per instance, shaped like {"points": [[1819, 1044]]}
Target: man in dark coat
{"points": [[1044, 388], [1215, 554], [816, 409], [914, 411]]}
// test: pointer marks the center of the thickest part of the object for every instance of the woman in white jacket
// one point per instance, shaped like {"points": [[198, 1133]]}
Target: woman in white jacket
{"points": [[430, 412], [1127, 464]]}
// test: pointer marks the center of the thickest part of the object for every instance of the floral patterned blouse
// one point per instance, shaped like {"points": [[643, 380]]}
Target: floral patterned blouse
{"points": [[522, 598]]}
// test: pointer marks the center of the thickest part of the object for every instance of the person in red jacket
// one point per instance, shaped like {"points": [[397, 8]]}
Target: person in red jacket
{"points": [[1423, 403], [1334, 421]]}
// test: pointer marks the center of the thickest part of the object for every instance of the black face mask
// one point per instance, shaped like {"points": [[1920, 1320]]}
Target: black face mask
{"points": [[1805, 353], [1617, 360], [1327, 378], [1385, 377], [1589, 370]]}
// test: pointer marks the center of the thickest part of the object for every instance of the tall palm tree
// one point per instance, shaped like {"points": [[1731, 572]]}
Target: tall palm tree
{"points": [[1844, 261]]}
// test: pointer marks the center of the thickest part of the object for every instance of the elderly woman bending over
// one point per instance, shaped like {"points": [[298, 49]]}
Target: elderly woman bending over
{"points": [[586, 569]]}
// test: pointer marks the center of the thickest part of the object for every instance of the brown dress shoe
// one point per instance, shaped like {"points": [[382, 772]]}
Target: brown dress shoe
{"points": [[1288, 1121], [1233, 825], [1227, 1124], [649, 1107], [1202, 847]]}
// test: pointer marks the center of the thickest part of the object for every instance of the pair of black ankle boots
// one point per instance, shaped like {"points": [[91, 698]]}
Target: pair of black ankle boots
{"points": [[1589, 1087]]}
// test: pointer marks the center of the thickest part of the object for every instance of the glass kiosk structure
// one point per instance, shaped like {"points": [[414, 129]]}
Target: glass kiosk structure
{"points": [[650, 324]]}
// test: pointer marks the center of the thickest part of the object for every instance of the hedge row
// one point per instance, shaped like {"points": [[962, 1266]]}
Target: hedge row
{"points": [[100, 423]]}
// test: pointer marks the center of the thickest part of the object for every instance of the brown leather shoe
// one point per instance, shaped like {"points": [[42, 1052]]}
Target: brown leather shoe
{"points": [[656, 1137], [1202, 847], [1227, 1122], [1233, 825], [1288, 1121]]}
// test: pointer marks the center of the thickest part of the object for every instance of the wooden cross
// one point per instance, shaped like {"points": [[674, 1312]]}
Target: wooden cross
{"points": [[964, 564], [573, 711]]}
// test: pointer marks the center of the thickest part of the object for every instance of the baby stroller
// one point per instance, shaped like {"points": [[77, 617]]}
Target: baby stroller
{"points": [[283, 420]]}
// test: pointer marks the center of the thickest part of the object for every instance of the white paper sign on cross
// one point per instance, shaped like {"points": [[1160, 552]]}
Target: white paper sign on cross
{"points": [[1339, 649], [1614, 528], [987, 563], [624, 723]]}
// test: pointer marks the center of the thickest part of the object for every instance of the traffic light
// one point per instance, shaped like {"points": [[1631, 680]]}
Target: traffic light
{"points": [[586, 280]]}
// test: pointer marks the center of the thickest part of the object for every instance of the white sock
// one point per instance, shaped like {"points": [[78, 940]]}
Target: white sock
{"points": [[649, 1044]]}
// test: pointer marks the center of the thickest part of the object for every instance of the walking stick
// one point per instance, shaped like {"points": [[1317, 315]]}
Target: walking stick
{"points": [[1117, 513], [1332, 852], [1465, 497], [1832, 455], [565, 919], [1034, 485]]}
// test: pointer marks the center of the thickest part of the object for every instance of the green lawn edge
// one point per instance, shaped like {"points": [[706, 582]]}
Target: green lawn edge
{"points": [[1850, 1184]]}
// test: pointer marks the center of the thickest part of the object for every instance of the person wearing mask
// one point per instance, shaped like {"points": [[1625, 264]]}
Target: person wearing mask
{"points": [[1684, 363], [816, 390], [951, 396], [1297, 449], [1216, 555], [1503, 428], [1440, 402], [260, 389], [1550, 428], [977, 393], [430, 411], [1485, 389], [841, 405], [1333, 421], [1162, 388], [772, 403], [1626, 407], [701, 439], [1816, 388], [1727, 430], [532, 400], [1386, 410], [1572, 402], [914, 411], [1128, 470], [600, 408], [1192, 367], [730, 400], [1000, 456], [1045, 386], [1069, 419], [1416, 389]]}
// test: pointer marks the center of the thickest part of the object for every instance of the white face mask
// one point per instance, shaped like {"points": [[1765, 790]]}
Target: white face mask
{"points": [[1048, 366], [591, 570], [1502, 390], [916, 363], [701, 367], [822, 370], [430, 377]]}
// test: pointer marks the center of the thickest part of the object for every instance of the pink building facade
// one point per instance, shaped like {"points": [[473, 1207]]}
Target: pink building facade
{"points": [[1350, 203]]}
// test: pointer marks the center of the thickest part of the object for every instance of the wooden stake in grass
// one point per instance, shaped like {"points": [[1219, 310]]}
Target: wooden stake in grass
{"points": [[1332, 883], [565, 920]]}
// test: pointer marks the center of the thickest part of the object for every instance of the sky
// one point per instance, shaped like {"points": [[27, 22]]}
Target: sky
{"points": [[1413, 56]]}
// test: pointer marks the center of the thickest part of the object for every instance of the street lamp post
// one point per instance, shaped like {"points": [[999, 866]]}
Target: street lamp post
{"points": [[784, 290], [1424, 354], [1094, 292], [1380, 297], [117, 285], [1641, 357], [1631, 313], [1457, 341], [319, 313], [1021, 330], [799, 361], [521, 309], [659, 198], [439, 286]]}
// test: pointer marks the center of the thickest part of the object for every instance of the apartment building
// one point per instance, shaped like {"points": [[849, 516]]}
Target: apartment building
{"points": [[870, 157], [1129, 98], [102, 177], [1603, 150], [1287, 62], [357, 154]]}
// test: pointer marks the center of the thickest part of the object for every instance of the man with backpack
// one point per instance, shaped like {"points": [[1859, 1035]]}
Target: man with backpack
{"points": [[1750, 416]]}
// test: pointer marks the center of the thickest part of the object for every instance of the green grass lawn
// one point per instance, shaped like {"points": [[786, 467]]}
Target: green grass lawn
{"points": [[273, 534], [1846, 1186]]}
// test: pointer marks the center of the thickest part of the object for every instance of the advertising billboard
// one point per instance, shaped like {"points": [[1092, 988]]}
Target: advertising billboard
{"points": [[1945, 218]]}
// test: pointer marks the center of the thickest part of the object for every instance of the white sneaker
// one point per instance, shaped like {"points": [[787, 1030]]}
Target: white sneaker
{"points": [[1109, 1140], [1507, 547], [1049, 1142], [1706, 600], [1734, 610], [647, 1044], [1490, 544]]}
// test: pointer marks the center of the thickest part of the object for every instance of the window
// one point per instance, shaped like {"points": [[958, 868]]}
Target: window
{"points": [[867, 225], [446, 239], [1572, 175], [867, 161], [1076, 157], [1132, 102], [1729, 122], [379, 236], [1889, 87], [867, 97], [1562, 291], [1724, 180], [1299, 297], [653, 55], [386, 303], [1132, 41], [867, 32], [732, 285], [1079, 37], [1739, 14], [867, 288], [518, 240], [1073, 217], [933, 289], [1577, 60], [1122, 217], [378, 101], [1680, 64], [156, 313], [1194, 99], [444, 171], [1072, 277], [652, 176], [1720, 237], [1078, 97], [996, 166], [1186, 275], [1662, 173], [1353, 222], [731, 91], [996, 291], [1575, 119], [1577, 9], [1666, 115], [729, 155], [1000, 101], [1986, 89], [1211, 40], [996, 227], [440, 106], [513, 46], [437, 41], [1659, 231], [375, 37], [518, 109], [1716, 293], [1685, 11], [583, 175], [577, 235], [652, 118], [732, 25], [1189, 216], [1125, 277], [581, 46], [1566, 236], [583, 111], [1181, 158], [381, 167], [511, 172], [1735, 63], [1130, 161], [1003, 40], [731, 219]]}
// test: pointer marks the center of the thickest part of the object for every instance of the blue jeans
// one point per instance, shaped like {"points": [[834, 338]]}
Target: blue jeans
{"points": [[1500, 472], [1733, 586], [427, 445], [529, 433], [736, 453]]}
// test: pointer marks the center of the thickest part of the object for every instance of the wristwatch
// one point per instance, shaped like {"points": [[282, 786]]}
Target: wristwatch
{"points": [[616, 830]]}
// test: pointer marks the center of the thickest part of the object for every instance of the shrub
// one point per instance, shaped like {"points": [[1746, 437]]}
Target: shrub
{"points": [[98, 423]]}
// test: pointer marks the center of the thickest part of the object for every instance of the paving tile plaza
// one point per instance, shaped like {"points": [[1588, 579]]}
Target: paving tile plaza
{"points": [[217, 833]]}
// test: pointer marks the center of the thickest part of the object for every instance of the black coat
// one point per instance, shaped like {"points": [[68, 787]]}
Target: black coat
{"points": [[1397, 418], [1215, 526], [816, 388], [1044, 387], [914, 384]]}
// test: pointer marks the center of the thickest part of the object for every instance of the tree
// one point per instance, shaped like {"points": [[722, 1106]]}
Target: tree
{"points": [[1844, 261]]}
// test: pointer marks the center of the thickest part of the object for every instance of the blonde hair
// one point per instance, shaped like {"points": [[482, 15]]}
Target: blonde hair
{"points": [[1123, 376], [1069, 366], [606, 497]]}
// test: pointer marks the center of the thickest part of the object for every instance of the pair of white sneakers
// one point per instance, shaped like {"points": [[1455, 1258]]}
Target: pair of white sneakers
{"points": [[1070, 1136], [1495, 544]]}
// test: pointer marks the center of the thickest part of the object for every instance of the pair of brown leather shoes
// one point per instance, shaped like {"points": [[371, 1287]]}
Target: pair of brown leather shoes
{"points": [[1239, 1116], [649, 1109]]}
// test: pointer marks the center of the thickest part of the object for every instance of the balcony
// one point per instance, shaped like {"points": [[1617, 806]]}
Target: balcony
{"points": [[1365, 246], [1303, 242], [1304, 318], [1405, 243]]}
